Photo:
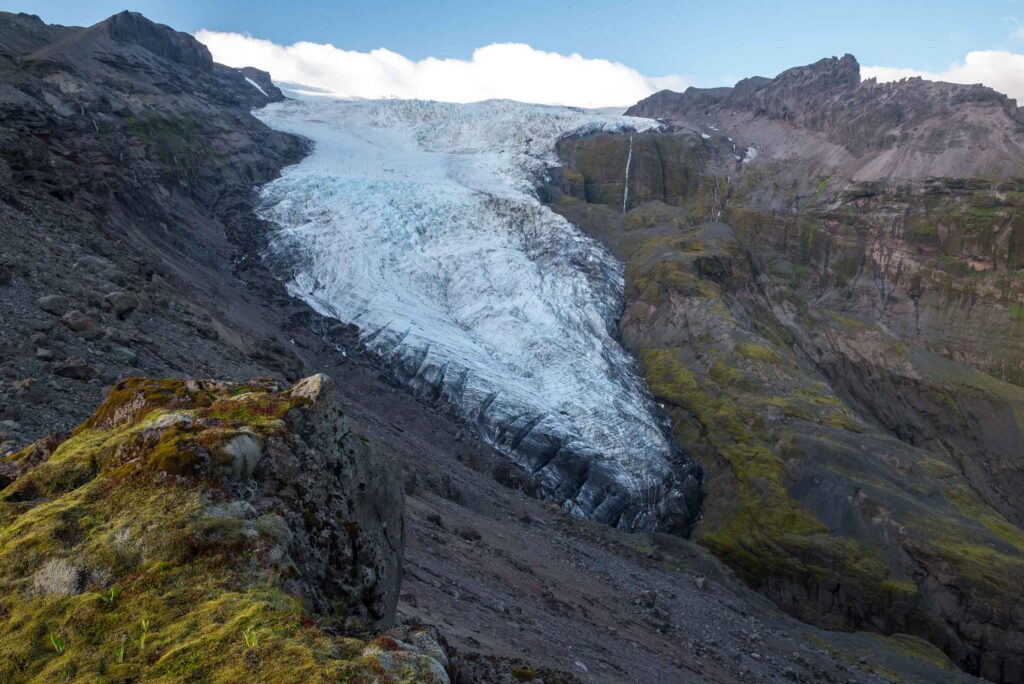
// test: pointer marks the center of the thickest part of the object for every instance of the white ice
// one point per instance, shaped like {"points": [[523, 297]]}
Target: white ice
{"points": [[420, 223], [256, 85]]}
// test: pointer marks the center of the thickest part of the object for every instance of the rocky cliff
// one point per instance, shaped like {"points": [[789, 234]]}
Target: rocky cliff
{"points": [[826, 121], [193, 530], [830, 321]]}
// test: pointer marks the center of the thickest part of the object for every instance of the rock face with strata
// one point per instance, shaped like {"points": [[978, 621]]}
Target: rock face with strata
{"points": [[833, 336]]}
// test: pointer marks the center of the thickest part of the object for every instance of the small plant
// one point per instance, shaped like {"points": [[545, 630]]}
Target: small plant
{"points": [[119, 655], [59, 642], [140, 643], [250, 638], [1016, 312], [109, 598]]}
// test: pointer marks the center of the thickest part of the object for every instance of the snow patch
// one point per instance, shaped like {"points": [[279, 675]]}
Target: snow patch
{"points": [[256, 85]]}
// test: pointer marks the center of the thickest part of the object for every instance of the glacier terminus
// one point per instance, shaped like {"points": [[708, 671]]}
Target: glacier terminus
{"points": [[419, 222]]}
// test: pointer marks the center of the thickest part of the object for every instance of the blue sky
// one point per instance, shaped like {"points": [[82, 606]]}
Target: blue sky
{"points": [[710, 42], [695, 43]]}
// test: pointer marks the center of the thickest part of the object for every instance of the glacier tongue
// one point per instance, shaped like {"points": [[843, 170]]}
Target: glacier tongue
{"points": [[418, 221]]}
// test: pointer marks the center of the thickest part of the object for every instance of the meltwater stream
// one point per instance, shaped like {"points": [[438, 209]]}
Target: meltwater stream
{"points": [[419, 222]]}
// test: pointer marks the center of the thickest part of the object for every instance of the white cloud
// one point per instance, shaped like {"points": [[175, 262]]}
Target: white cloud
{"points": [[502, 70], [998, 69]]}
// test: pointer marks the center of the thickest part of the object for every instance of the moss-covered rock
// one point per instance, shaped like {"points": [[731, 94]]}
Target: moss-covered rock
{"points": [[203, 531]]}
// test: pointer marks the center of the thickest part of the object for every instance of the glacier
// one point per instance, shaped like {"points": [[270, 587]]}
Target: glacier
{"points": [[420, 223]]}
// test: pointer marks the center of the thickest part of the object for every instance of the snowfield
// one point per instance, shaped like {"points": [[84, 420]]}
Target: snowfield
{"points": [[419, 222]]}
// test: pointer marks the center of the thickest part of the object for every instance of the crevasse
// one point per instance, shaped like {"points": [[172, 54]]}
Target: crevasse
{"points": [[419, 222]]}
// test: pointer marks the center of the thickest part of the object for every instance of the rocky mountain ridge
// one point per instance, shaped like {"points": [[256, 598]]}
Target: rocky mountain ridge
{"points": [[131, 249], [823, 118]]}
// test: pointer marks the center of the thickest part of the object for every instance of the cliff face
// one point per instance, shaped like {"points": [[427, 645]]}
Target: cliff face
{"points": [[841, 354], [128, 160]]}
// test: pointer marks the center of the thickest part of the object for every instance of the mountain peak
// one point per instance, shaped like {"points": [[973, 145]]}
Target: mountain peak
{"points": [[825, 75], [160, 39]]}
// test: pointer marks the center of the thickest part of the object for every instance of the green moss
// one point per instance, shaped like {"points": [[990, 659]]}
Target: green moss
{"points": [[175, 142], [523, 674], [898, 587], [122, 505], [757, 352], [882, 655], [917, 648], [820, 188], [766, 532]]}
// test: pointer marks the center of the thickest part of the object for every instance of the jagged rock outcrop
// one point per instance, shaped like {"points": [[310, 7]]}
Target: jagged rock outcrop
{"points": [[196, 529], [824, 120]]}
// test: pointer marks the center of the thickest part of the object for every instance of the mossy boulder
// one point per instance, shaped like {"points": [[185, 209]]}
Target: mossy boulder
{"points": [[206, 531]]}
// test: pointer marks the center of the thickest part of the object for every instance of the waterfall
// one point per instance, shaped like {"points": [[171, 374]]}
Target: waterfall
{"points": [[625, 192]]}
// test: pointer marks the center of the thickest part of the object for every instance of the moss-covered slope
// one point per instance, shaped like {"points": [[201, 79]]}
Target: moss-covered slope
{"points": [[858, 479], [199, 531]]}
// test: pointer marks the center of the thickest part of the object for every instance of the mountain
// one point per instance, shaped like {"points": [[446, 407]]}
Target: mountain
{"points": [[326, 508], [823, 288], [826, 120]]}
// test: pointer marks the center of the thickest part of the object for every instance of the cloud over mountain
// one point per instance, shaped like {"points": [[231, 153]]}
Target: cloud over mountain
{"points": [[501, 70]]}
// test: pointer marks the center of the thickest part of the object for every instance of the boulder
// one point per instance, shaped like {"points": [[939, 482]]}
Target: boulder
{"points": [[79, 323], [122, 303], [330, 463], [75, 368], [31, 390], [54, 304]]}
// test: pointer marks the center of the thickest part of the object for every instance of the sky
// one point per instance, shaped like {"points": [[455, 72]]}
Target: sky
{"points": [[596, 53]]}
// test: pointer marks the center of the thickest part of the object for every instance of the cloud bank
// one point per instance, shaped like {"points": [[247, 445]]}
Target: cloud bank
{"points": [[998, 69], [512, 71]]}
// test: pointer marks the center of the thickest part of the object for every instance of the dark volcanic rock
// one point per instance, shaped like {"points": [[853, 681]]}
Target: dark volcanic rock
{"points": [[78, 322], [75, 368], [122, 303], [54, 304], [161, 40], [130, 157], [355, 550]]}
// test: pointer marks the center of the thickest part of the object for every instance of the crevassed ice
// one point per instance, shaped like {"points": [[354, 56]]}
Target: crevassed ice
{"points": [[419, 222]]}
